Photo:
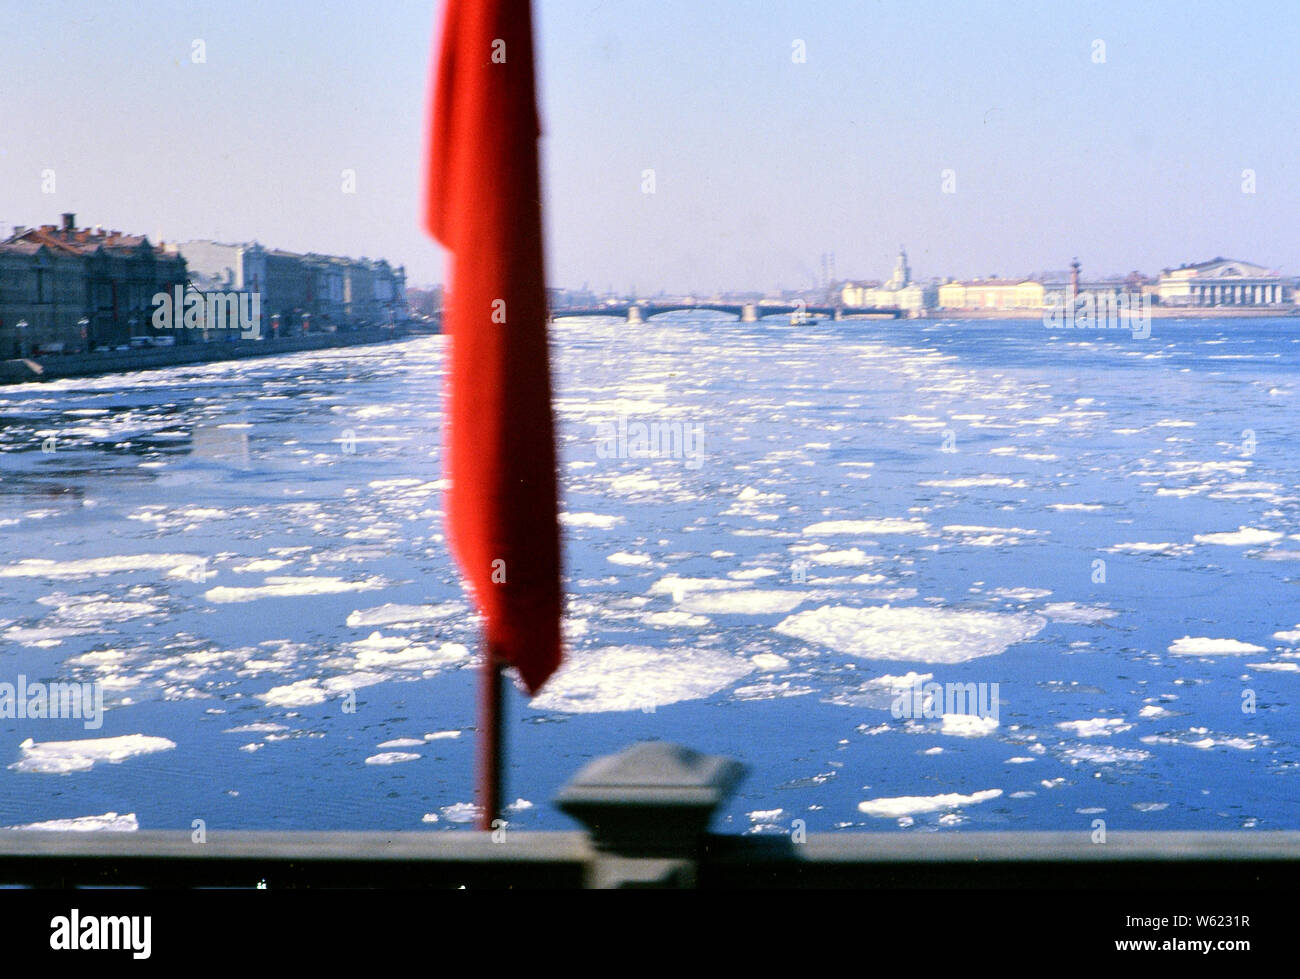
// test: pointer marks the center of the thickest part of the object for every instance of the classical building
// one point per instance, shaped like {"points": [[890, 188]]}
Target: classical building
{"points": [[327, 293], [861, 292], [900, 291], [1223, 282], [390, 291], [328, 290], [216, 266], [78, 288], [993, 293]]}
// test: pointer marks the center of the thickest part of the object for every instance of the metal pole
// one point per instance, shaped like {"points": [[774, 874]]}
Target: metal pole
{"points": [[490, 742]]}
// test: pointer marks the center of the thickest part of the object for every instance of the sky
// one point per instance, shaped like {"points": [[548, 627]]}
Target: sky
{"points": [[1117, 133]]}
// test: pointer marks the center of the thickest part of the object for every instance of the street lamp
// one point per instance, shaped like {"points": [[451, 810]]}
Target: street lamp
{"points": [[84, 325], [21, 327]]}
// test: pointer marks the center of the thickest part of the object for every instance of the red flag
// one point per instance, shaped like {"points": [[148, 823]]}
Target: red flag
{"points": [[484, 205]]}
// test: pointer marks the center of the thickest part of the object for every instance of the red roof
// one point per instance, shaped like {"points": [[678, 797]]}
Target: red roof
{"points": [[79, 241]]}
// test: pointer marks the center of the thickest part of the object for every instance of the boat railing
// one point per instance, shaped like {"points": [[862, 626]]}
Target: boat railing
{"points": [[646, 812]]}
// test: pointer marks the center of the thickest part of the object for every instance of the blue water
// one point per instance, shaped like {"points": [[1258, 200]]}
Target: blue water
{"points": [[974, 473]]}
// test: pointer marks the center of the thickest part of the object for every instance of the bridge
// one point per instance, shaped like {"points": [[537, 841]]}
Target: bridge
{"points": [[639, 312]]}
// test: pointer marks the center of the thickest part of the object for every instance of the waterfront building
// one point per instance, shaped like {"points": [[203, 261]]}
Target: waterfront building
{"points": [[1055, 292], [390, 291], [330, 290], [991, 294], [78, 288], [1223, 282], [213, 265], [216, 267], [900, 291], [287, 294], [1058, 287], [859, 293]]}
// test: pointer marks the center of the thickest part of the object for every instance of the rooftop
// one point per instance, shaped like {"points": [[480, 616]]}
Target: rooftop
{"points": [[69, 239]]}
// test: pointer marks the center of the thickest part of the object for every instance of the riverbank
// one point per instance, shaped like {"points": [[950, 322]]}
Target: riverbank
{"points": [[122, 361]]}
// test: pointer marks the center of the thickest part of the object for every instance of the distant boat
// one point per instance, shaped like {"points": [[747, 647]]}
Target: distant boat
{"points": [[803, 319]]}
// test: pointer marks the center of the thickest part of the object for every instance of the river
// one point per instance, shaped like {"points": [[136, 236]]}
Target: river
{"points": [[770, 532]]}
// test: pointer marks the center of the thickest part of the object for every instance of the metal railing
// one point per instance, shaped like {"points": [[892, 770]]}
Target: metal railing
{"points": [[647, 810]]}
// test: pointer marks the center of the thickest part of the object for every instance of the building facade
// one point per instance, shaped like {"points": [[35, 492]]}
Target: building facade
{"points": [[991, 294], [1223, 282], [65, 289], [900, 291], [302, 291]]}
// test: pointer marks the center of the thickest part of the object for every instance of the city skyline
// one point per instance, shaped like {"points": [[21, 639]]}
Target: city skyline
{"points": [[1133, 139]]}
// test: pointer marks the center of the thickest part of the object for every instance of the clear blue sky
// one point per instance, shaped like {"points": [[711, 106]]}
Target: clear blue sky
{"points": [[760, 163]]}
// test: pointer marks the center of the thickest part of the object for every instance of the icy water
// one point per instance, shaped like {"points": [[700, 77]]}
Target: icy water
{"points": [[249, 558]]}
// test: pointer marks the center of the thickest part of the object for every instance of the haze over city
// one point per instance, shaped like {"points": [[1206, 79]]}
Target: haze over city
{"points": [[762, 160]]}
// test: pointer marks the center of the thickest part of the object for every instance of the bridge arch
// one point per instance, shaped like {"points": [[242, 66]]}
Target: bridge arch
{"points": [[746, 312]]}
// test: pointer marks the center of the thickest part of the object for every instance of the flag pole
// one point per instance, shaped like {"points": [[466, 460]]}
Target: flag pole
{"points": [[490, 743], [484, 206]]}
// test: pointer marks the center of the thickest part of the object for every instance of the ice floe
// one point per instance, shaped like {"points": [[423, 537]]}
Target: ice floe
{"points": [[599, 521], [1205, 739], [1071, 612], [86, 567], [63, 757], [290, 587], [630, 560], [1095, 727], [967, 725], [619, 678], [909, 634], [1021, 594], [392, 757], [886, 525], [397, 616], [675, 620], [743, 602], [109, 822], [1241, 537], [909, 805], [1206, 646]]}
